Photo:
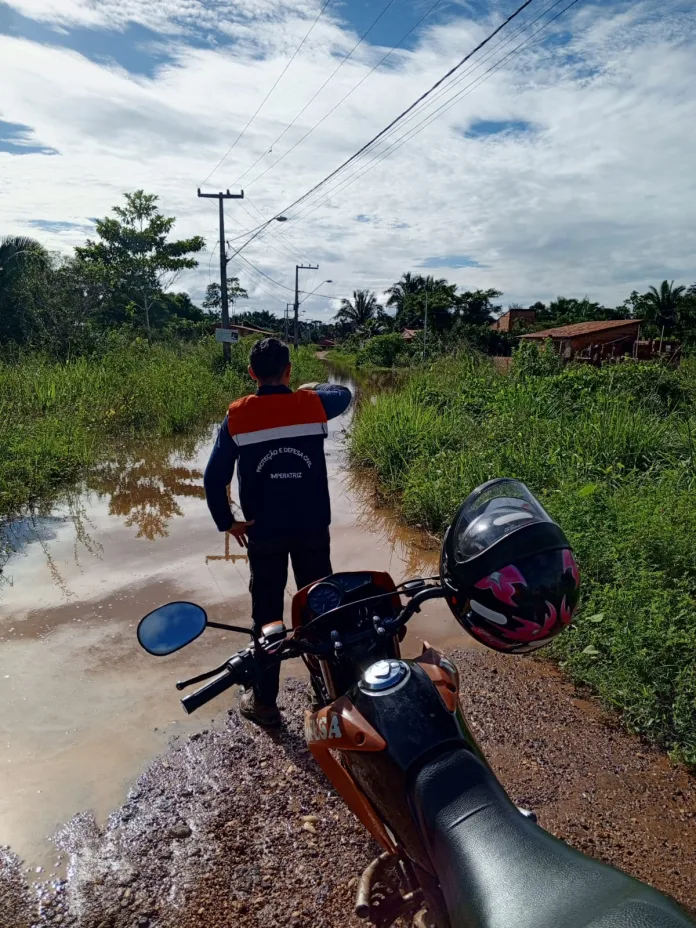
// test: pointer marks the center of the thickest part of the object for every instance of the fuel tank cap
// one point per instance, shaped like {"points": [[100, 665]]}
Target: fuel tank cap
{"points": [[382, 675]]}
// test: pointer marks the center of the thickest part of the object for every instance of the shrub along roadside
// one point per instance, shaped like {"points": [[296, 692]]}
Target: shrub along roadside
{"points": [[56, 419], [611, 454]]}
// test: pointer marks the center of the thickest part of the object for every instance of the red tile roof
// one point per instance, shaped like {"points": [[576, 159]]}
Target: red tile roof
{"points": [[582, 328]]}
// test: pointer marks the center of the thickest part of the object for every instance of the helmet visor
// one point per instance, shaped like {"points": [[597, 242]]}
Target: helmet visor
{"points": [[492, 511]]}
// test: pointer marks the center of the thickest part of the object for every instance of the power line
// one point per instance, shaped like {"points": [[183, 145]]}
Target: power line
{"points": [[363, 169], [265, 99], [396, 120], [264, 274], [313, 98], [282, 286], [210, 262], [345, 97], [272, 241], [257, 278], [469, 88], [292, 248]]}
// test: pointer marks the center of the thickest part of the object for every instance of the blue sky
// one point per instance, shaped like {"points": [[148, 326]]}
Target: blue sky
{"points": [[568, 169]]}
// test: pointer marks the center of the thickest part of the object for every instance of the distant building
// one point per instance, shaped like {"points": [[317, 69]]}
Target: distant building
{"points": [[327, 343], [591, 341], [409, 334], [506, 322]]}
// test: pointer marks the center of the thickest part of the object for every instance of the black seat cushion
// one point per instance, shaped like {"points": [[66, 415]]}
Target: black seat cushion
{"points": [[498, 869]]}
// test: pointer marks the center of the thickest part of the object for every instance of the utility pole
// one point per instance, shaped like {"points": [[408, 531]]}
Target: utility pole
{"points": [[425, 325], [298, 268], [287, 322], [221, 197]]}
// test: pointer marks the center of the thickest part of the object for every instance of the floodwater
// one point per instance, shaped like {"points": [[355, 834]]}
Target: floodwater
{"points": [[84, 709]]}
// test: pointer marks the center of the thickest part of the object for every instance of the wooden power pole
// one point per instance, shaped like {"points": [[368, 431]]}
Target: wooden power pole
{"points": [[221, 197]]}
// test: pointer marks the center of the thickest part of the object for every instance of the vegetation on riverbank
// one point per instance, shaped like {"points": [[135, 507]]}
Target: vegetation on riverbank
{"points": [[56, 419], [612, 454]]}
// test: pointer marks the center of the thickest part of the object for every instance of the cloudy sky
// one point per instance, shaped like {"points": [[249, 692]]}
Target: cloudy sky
{"points": [[566, 165]]}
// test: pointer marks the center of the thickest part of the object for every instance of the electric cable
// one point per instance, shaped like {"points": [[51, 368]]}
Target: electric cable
{"points": [[265, 99]]}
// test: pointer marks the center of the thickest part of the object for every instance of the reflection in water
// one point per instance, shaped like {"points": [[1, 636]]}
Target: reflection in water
{"points": [[143, 487], [417, 551], [37, 527], [144, 491], [227, 556], [144, 484]]}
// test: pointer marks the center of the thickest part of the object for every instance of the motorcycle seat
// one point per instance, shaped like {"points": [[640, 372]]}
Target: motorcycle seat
{"points": [[498, 869]]}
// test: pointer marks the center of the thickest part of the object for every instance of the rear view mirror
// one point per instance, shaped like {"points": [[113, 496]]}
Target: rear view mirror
{"points": [[171, 627]]}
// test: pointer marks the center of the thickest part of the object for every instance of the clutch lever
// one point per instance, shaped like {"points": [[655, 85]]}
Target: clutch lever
{"points": [[182, 684]]}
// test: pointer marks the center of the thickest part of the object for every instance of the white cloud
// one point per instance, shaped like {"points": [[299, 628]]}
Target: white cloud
{"points": [[162, 15], [599, 199]]}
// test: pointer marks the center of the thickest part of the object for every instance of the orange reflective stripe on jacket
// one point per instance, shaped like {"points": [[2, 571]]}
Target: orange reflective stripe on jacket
{"points": [[255, 419]]}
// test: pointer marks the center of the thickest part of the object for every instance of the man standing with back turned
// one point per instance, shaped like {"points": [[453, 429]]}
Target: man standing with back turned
{"points": [[277, 438]]}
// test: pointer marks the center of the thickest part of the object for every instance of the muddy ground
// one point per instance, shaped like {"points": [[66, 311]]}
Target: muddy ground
{"points": [[237, 827]]}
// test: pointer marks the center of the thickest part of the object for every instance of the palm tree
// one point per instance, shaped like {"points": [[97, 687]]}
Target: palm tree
{"points": [[360, 310], [402, 289], [16, 250], [19, 257], [662, 304]]}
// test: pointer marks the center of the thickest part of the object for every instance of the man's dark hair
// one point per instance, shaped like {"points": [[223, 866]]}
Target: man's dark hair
{"points": [[269, 358]]}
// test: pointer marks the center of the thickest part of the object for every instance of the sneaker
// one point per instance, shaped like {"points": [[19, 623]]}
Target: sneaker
{"points": [[252, 709]]}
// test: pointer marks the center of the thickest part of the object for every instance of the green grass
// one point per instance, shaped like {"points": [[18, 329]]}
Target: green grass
{"points": [[612, 454], [56, 420]]}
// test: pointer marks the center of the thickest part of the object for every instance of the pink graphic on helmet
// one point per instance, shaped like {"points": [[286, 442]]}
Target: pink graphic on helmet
{"points": [[566, 613], [501, 584], [530, 631], [570, 564]]}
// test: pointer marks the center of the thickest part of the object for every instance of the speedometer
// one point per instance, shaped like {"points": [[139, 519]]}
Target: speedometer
{"points": [[324, 597]]}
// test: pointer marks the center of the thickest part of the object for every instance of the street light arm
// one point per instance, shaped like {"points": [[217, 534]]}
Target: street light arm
{"points": [[311, 293]]}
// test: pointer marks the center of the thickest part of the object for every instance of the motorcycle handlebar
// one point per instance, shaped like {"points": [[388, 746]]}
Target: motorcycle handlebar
{"points": [[242, 666], [203, 695]]}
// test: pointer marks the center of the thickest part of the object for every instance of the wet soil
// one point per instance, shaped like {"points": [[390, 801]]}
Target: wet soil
{"points": [[237, 826], [84, 709], [230, 825]]}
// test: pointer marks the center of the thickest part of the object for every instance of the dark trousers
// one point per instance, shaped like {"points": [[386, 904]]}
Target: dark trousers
{"points": [[268, 563]]}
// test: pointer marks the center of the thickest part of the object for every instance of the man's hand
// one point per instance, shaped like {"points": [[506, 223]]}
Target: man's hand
{"points": [[239, 531]]}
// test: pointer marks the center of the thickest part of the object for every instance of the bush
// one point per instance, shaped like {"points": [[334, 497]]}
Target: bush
{"points": [[383, 351], [611, 454], [56, 419]]}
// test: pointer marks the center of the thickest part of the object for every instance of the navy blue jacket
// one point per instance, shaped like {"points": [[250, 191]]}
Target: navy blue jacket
{"points": [[276, 438]]}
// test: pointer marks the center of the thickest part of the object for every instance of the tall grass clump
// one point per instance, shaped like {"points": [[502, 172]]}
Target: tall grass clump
{"points": [[56, 419], [612, 455]]}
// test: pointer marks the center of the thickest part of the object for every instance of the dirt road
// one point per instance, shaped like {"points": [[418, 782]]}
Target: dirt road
{"points": [[212, 833]]}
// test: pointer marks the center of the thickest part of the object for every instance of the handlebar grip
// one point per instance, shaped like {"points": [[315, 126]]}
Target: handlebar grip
{"points": [[195, 700]]}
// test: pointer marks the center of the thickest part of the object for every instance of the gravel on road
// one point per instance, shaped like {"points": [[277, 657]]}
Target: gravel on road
{"points": [[238, 827]]}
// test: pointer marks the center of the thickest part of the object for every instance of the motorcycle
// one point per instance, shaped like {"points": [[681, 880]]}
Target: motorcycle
{"points": [[391, 737]]}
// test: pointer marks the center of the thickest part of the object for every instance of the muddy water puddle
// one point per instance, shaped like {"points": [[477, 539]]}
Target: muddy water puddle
{"points": [[84, 709]]}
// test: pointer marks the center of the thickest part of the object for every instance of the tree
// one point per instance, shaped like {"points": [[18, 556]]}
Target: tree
{"points": [[475, 307], [410, 294], [261, 319], [135, 259], [213, 295], [568, 311], [21, 261], [662, 305], [402, 289], [686, 326], [180, 306], [360, 311]]}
